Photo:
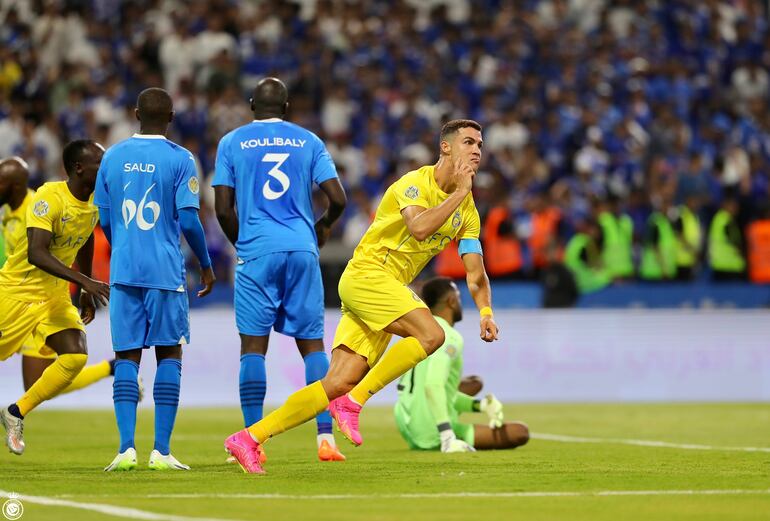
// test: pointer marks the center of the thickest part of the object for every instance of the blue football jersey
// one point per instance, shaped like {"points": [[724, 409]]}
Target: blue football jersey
{"points": [[272, 165], [143, 181]]}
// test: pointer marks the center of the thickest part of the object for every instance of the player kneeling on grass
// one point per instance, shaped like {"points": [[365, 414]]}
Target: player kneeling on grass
{"points": [[432, 395]]}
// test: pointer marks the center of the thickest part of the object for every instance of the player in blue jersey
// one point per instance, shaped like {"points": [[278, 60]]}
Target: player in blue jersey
{"points": [[265, 172], [146, 191]]}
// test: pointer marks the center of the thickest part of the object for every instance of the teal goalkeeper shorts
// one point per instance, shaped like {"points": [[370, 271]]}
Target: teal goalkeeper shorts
{"points": [[421, 433]]}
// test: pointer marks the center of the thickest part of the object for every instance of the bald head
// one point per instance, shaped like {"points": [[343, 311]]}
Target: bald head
{"points": [[14, 175], [270, 98], [154, 109]]}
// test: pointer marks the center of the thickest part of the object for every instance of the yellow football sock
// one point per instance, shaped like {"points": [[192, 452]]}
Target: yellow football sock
{"points": [[89, 375], [300, 407], [405, 354], [52, 382]]}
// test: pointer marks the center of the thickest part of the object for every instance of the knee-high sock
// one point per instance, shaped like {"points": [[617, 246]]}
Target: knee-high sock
{"points": [[298, 408], [252, 385], [89, 375], [52, 382], [316, 365], [166, 393], [125, 396], [405, 354]]}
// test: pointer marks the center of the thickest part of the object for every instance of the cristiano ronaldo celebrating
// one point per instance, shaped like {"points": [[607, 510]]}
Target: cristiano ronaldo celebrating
{"points": [[417, 217]]}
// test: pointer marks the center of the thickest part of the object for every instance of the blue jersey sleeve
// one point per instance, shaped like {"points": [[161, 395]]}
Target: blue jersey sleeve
{"points": [[224, 174], [187, 186], [101, 194], [323, 166]]}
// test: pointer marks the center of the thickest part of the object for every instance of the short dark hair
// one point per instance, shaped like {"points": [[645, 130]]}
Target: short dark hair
{"points": [[73, 153], [154, 106], [435, 289], [451, 127]]}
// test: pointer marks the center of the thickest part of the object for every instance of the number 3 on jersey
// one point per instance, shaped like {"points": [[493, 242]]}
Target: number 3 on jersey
{"points": [[276, 174]]}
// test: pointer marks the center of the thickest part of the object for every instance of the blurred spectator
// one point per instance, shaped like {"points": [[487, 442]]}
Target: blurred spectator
{"points": [[725, 243], [579, 98], [583, 257]]}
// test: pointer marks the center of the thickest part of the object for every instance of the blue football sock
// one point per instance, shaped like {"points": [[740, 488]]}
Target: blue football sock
{"points": [[166, 394], [316, 365], [253, 384], [125, 396]]}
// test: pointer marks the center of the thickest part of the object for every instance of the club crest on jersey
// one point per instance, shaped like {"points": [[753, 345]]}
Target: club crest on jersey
{"points": [[412, 192], [193, 185], [456, 220], [41, 208]]}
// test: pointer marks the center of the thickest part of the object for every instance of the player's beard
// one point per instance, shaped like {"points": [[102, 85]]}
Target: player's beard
{"points": [[457, 314]]}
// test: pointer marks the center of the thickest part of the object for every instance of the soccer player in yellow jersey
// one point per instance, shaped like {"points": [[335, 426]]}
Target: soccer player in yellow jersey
{"points": [[14, 201], [34, 296], [417, 217]]}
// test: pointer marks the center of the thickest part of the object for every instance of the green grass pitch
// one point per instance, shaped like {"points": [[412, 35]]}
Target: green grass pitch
{"points": [[381, 480]]}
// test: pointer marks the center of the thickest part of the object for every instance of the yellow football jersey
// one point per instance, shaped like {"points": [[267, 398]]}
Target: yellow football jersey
{"points": [[71, 221], [388, 245], [14, 230]]}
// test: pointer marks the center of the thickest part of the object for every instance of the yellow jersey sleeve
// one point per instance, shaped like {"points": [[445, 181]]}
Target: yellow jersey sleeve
{"points": [[44, 210], [471, 228], [411, 191]]}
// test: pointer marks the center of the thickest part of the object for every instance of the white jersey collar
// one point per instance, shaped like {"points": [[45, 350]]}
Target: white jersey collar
{"points": [[268, 120], [149, 136]]}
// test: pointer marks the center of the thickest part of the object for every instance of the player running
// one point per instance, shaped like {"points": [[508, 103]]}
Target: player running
{"points": [[15, 198], [148, 187], [432, 395], [34, 282], [418, 215], [265, 172]]}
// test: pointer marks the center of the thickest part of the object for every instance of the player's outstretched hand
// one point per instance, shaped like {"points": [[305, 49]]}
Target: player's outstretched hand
{"points": [[463, 175], [87, 307], [489, 329], [97, 288], [454, 445], [207, 279], [494, 410]]}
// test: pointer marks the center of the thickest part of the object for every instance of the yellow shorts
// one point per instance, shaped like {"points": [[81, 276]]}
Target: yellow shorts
{"points": [[371, 302], [25, 326]]}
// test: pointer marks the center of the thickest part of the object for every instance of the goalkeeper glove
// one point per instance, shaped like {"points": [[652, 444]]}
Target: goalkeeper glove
{"points": [[450, 443], [494, 410]]}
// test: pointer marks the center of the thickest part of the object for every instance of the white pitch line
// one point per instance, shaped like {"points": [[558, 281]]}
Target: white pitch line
{"points": [[445, 495], [644, 443], [110, 510]]}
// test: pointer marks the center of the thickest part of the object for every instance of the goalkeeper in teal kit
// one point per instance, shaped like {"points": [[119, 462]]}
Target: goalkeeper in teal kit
{"points": [[433, 394]]}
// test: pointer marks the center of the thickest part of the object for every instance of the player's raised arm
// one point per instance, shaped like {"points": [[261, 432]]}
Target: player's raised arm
{"points": [[337, 201], [478, 285], [423, 222]]}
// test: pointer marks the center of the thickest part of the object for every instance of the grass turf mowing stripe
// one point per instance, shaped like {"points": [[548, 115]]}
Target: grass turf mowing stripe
{"points": [[111, 510], [443, 495], [643, 443]]}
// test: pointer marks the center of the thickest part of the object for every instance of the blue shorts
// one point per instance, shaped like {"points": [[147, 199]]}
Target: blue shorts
{"points": [[282, 291], [144, 317]]}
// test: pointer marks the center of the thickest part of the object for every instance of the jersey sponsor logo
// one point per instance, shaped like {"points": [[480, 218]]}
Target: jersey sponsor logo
{"points": [[273, 142], [41, 208], [451, 351], [456, 220], [193, 185], [412, 192], [145, 168], [66, 218]]}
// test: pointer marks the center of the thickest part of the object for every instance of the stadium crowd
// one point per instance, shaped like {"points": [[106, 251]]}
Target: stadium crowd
{"points": [[623, 138]]}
